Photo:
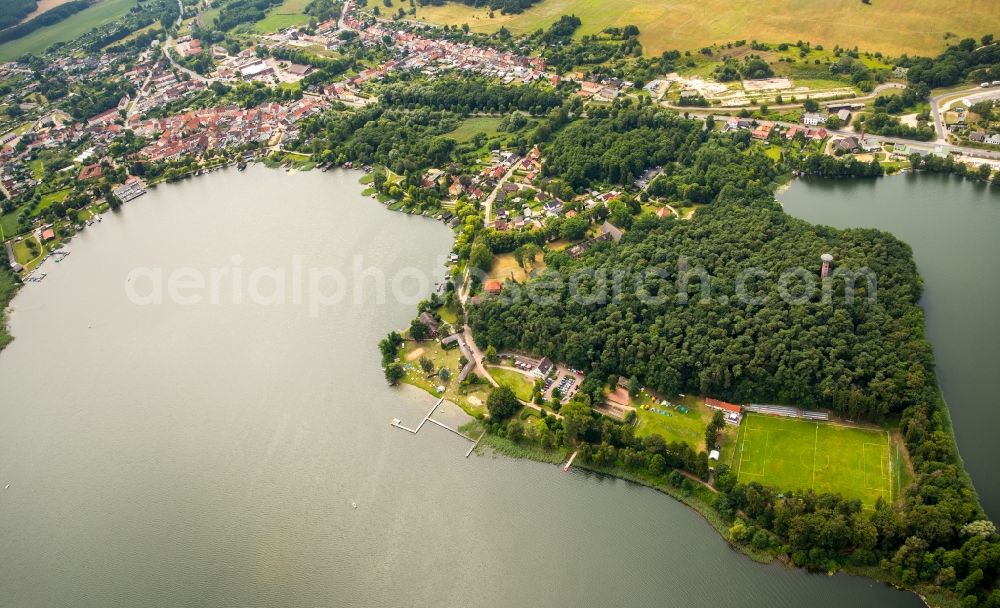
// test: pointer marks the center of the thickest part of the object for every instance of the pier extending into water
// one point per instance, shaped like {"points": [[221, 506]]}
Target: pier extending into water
{"points": [[396, 423], [569, 462], [399, 425]]}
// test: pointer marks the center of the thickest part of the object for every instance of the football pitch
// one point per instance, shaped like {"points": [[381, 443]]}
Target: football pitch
{"points": [[795, 454]]}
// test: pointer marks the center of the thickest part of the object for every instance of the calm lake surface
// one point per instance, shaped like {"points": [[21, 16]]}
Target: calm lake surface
{"points": [[209, 454], [953, 227]]}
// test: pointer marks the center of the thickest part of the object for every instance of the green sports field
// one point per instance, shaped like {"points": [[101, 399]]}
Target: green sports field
{"points": [[794, 454]]}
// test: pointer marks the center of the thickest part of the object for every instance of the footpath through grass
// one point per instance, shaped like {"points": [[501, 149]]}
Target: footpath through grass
{"points": [[795, 454]]}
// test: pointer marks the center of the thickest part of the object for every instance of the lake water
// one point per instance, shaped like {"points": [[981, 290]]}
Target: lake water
{"points": [[952, 226], [208, 454]]}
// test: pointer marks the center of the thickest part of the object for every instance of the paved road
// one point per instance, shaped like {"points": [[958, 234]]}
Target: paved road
{"points": [[973, 94], [170, 41], [488, 203], [964, 150]]}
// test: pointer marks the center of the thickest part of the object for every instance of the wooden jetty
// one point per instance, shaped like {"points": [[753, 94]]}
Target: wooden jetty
{"points": [[395, 421], [469, 453], [399, 425], [569, 462]]}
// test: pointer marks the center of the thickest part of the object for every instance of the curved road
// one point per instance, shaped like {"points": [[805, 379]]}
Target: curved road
{"points": [[169, 42], [972, 94]]}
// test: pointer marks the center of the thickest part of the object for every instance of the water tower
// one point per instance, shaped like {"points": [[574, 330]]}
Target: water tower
{"points": [[827, 260]]}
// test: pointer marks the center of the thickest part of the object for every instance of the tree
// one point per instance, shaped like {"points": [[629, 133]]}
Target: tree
{"points": [[810, 105], [491, 355], [761, 540], [657, 464], [713, 428], [502, 403], [389, 346], [419, 331], [574, 228], [577, 417], [394, 372], [634, 386], [984, 172], [515, 430], [739, 533], [426, 364], [481, 257], [445, 374]]}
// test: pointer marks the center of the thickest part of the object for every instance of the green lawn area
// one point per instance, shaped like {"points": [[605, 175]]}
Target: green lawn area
{"points": [[795, 454], [471, 399], [9, 224], [209, 14], [673, 425], [448, 315], [773, 152], [473, 125], [51, 197], [917, 28], [23, 254], [518, 382], [37, 168], [289, 14], [71, 28]]}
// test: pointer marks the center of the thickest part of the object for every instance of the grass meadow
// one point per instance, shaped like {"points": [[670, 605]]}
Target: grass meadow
{"points": [[289, 13]]}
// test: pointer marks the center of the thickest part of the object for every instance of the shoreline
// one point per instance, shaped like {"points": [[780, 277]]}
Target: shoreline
{"points": [[538, 454]]}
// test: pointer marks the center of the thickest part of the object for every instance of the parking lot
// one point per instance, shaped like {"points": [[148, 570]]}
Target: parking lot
{"points": [[566, 380]]}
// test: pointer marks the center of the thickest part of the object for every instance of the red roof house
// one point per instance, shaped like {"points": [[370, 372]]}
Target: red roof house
{"points": [[90, 172], [493, 287], [715, 404]]}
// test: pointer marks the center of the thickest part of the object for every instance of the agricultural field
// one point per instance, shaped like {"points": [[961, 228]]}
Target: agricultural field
{"points": [[73, 27], [891, 26], [796, 454], [43, 6]]}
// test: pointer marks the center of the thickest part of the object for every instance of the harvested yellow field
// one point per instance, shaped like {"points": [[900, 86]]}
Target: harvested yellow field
{"points": [[891, 26]]}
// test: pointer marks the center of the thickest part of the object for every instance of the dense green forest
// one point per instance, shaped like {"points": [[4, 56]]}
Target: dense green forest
{"points": [[968, 60], [12, 11], [616, 144], [861, 359], [639, 309], [402, 141], [504, 6], [465, 95]]}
